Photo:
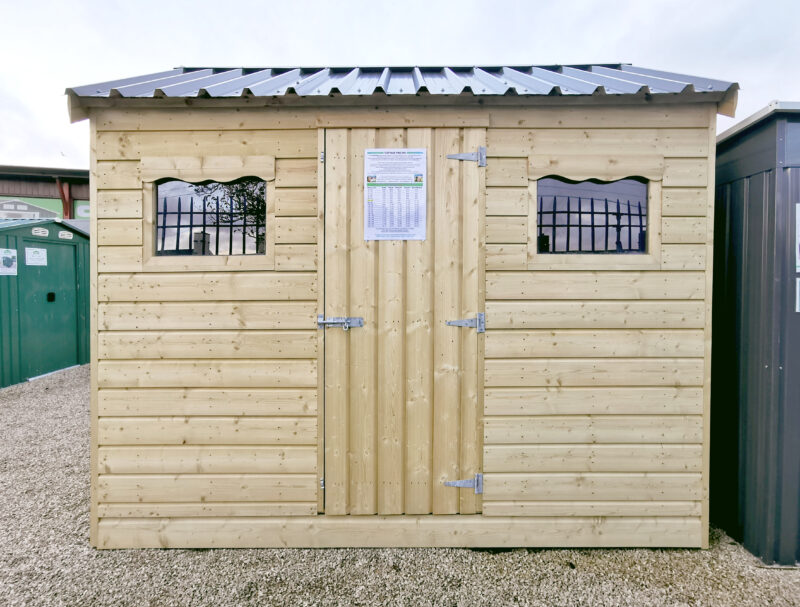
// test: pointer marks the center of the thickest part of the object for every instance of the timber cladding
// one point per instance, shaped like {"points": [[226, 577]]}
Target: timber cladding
{"points": [[217, 404]]}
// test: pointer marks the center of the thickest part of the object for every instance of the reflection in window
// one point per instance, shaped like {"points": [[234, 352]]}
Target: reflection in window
{"points": [[211, 218], [592, 216]]}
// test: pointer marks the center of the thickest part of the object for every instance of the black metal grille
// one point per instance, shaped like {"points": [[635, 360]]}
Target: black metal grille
{"points": [[211, 218], [580, 223]]}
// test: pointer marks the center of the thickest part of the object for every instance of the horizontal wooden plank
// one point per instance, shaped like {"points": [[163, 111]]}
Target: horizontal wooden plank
{"points": [[198, 401], [684, 202], [207, 373], [683, 257], [645, 343], [119, 259], [296, 172], [686, 172], [596, 166], [296, 202], [507, 172], [567, 284], [209, 460], [207, 344], [593, 372], [588, 429], [249, 315], [506, 230], [242, 118], [204, 165], [210, 286], [506, 257], [119, 232], [400, 531], [214, 509], [206, 488], [598, 509], [595, 315], [119, 204], [207, 431], [295, 257], [593, 458], [665, 142], [119, 175], [131, 145], [583, 116], [593, 400], [296, 230], [507, 201], [593, 486], [686, 230]]}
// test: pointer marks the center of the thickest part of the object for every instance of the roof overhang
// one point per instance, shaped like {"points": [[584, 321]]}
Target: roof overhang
{"points": [[596, 84], [774, 107]]}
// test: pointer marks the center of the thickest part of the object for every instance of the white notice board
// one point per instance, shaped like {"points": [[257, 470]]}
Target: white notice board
{"points": [[395, 187]]}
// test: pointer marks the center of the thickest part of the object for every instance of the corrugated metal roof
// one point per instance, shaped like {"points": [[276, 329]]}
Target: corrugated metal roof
{"points": [[7, 224], [603, 79]]}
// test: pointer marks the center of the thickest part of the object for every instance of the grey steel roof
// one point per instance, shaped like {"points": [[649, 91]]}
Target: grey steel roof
{"points": [[774, 107], [604, 79]]}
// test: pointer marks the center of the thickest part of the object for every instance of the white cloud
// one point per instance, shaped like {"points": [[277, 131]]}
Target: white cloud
{"points": [[49, 46]]}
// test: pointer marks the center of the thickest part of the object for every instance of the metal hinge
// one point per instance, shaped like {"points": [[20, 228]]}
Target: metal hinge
{"points": [[479, 156], [344, 322], [322, 483], [476, 483], [479, 322], [322, 156]]}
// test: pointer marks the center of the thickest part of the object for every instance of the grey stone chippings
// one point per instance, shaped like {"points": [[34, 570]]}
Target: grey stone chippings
{"points": [[45, 557]]}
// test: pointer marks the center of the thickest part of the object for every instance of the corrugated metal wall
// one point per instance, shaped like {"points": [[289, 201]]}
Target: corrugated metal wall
{"points": [[756, 355], [12, 350]]}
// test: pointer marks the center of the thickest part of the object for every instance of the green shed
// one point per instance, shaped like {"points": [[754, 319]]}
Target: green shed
{"points": [[44, 297]]}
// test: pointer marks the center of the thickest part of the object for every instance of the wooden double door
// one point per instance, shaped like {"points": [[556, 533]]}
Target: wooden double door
{"points": [[402, 394]]}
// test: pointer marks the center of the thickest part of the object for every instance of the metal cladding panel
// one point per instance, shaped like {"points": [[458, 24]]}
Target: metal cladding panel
{"points": [[756, 417], [32, 343], [606, 79]]}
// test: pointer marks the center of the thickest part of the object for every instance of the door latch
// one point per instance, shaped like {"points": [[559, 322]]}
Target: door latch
{"points": [[470, 483], [479, 156], [343, 322], [479, 322]]}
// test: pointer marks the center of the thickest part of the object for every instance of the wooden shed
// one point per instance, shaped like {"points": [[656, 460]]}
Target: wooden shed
{"points": [[401, 306]]}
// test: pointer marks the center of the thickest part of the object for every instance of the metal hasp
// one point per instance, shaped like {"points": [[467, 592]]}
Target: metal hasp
{"points": [[479, 322], [476, 483], [479, 156], [343, 322]]}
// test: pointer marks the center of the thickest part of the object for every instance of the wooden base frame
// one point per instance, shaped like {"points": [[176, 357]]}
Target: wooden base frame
{"points": [[467, 531]]}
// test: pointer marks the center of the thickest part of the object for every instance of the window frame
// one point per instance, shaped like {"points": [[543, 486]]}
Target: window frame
{"points": [[196, 169], [603, 168]]}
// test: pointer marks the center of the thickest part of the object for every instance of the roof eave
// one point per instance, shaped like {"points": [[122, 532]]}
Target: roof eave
{"points": [[80, 107]]}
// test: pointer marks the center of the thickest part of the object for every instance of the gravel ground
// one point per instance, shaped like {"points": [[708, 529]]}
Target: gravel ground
{"points": [[45, 557]]}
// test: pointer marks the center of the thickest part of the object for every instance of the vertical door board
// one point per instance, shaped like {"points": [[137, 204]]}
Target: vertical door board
{"points": [[402, 397]]}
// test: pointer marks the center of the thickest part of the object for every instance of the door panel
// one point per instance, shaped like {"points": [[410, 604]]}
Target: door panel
{"points": [[48, 329], [401, 393]]}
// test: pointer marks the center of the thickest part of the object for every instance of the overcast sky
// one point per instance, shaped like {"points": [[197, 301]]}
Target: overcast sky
{"points": [[49, 46]]}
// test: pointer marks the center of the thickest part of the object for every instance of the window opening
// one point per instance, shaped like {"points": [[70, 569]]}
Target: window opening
{"points": [[591, 216], [211, 217]]}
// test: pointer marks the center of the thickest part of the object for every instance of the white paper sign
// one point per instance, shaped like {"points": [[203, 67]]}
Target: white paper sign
{"points": [[8, 262], [797, 237], [35, 257], [395, 192]]}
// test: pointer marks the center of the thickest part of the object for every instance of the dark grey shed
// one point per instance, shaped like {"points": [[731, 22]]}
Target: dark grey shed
{"points": [[756, 356]]}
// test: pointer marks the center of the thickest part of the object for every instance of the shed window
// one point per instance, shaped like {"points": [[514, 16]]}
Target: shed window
{"points": [[211, 217], [591, 216]]}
